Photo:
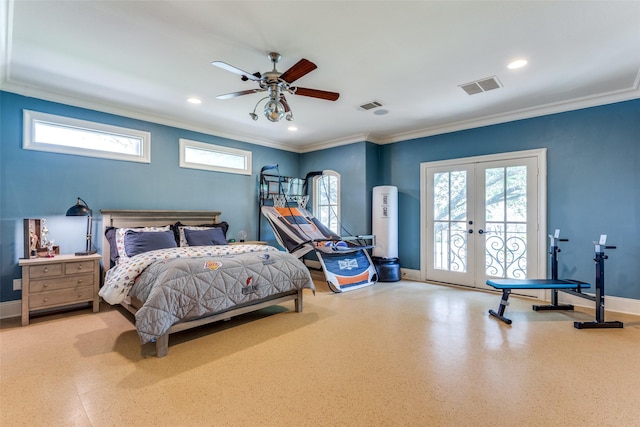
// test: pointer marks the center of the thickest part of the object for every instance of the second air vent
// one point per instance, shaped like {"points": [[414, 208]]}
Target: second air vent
{"points": [[482, 85], [370, 106]]}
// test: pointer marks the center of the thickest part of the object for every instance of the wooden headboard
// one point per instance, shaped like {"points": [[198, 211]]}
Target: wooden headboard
{"points": [[141, 218]]}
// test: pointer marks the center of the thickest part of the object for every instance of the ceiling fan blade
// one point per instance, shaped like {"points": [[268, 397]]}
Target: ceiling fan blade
{"points": [[315, 93], [301, 68], [242, 92], [245, 75], [284, 102]]}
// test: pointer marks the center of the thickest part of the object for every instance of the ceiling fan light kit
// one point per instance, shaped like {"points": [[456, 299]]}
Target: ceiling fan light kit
{"points": [[274, 111], [276, 84]]}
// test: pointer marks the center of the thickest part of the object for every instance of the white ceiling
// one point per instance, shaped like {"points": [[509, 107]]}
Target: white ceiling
{"points": [[144, 59]]}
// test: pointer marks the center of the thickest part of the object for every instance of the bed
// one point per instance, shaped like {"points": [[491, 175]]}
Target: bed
{"points": [[174, 270]]}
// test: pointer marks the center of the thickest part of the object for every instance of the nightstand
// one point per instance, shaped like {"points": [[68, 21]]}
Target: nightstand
{"points": [[59, 281]]}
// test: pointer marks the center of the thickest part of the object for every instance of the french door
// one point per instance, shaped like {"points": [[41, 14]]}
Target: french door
{"points": [[482, 218]]}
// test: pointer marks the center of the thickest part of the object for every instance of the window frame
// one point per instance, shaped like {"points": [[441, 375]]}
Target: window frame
{"points": [[32, 118], [317, 202], [187, 143]]}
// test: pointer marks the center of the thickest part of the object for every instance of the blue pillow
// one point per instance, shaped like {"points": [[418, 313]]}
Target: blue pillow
{"points": [[209, 237], [137, 242], [110, 234]]}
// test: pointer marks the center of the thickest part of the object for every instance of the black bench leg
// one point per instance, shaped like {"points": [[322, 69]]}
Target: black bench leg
{"points": [[599, 322], [503, 305], [554, 304]]}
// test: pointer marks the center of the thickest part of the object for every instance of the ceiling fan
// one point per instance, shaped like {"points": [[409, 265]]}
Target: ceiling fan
{"points": [[276, 84]]}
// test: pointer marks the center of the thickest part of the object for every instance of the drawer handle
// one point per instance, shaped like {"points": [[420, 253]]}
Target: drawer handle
{"points": [[79, 281], [46, 270], [80, 267], [79, 294], [46, 300], [46, 285]]}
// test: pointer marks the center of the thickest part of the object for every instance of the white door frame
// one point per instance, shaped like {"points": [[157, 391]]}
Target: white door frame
{"points": [[541, 154]]}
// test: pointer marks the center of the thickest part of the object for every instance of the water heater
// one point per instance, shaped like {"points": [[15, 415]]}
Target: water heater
{"points": [[385, 221]]}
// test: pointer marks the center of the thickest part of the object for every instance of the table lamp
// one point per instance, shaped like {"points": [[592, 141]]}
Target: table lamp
{"points": [[82, 209]]}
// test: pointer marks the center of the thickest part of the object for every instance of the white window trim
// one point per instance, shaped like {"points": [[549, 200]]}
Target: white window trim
{"points": [[186, 143], [338, 201], [30, 118]]}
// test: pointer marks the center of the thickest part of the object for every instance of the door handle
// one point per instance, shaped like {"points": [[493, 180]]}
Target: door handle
{"points": [[471, 231], [480, 231]]}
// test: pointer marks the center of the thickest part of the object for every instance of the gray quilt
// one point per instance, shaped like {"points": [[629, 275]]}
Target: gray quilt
{"points": [[188, 288]]}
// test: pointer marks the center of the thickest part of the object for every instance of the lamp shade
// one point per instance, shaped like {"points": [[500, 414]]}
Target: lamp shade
{"points": [[80, 209]]}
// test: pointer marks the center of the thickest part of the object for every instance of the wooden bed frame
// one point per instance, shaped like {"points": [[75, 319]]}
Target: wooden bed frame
{"points": [[150, 218]]}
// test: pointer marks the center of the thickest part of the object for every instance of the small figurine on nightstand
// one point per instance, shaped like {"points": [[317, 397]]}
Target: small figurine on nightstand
{"points": [[50, 253], [33, 243], [46, 242]]}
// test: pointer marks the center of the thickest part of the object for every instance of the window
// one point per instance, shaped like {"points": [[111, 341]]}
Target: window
{"points": [[199, 155], [326, 199], [58, 134]]}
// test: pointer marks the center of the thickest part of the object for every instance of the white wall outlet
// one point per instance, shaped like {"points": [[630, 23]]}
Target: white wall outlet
{"points": [[17, 284]]}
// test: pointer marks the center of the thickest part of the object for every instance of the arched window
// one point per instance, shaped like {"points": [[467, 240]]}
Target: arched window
{"points": [[326, 199]]}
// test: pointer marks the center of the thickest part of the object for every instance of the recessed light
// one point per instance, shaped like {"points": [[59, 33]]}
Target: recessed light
{"points": [[518, 63], [292, 128], [194, 100]]}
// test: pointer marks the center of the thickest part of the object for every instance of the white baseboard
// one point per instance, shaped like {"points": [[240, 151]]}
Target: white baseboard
{"points": [[10, 309], [614, 304], [410, 274]]}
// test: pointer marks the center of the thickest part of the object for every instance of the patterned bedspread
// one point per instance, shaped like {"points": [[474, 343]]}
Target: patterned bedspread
{"points": [[188, 283]]}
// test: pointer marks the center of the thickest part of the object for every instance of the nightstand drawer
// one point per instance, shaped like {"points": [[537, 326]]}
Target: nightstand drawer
{"points": [[43, 285], [61, 297], [47, 270], [78, 267]]}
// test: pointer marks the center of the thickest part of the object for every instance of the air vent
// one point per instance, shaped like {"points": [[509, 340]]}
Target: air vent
{"points": [[369, 106], [482, 85]]}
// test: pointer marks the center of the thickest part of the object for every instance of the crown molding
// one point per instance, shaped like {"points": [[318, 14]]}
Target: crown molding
{"points": [[527, 113], [627, 94], [108, 108], [334, 143]]}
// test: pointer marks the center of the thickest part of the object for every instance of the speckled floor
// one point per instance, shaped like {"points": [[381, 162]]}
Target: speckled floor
{"points": [[394, 354]]}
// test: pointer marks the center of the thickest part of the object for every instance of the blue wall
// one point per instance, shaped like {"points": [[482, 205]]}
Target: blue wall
{"points": [[350, 161], [593, 162], [593, 172], [44, 185]]}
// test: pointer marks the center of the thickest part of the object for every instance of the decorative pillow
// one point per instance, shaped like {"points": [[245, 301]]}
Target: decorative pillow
{"points": [[119, 238], [208, 237], [110, 234], [137, 242], [179, 228]]}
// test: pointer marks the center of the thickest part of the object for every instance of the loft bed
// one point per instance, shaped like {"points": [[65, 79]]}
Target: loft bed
{"points": [[227, 280]]}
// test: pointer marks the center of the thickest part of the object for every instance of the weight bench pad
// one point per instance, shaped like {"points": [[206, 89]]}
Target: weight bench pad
{"points": [[536, 284]]}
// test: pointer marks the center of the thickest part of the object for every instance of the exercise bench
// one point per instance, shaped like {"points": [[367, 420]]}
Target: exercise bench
{"points": [[572, 287], [508, 285]]}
